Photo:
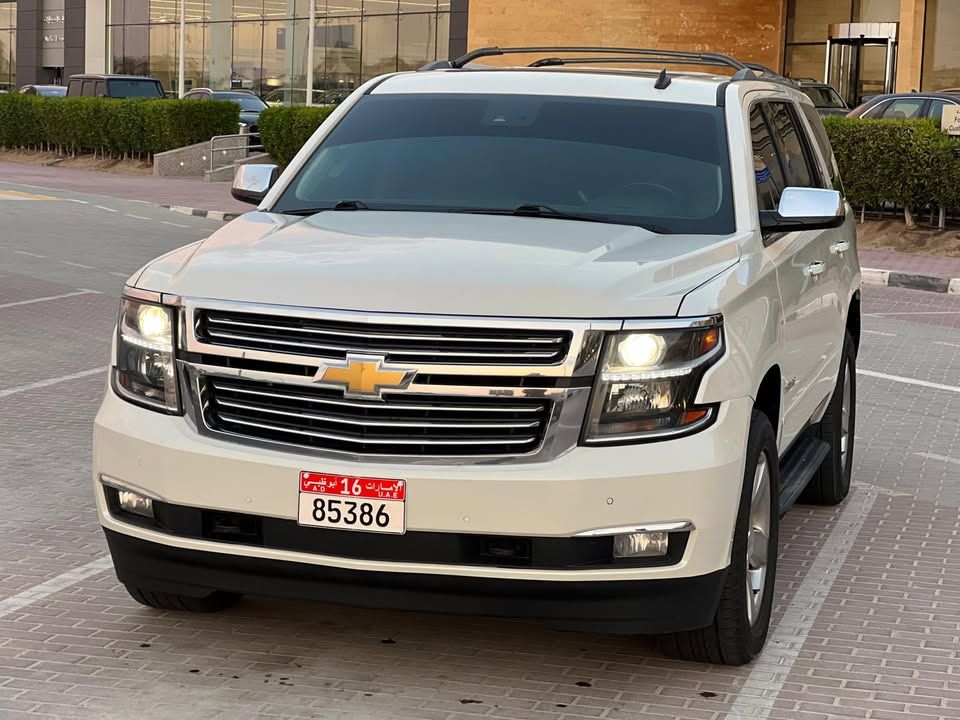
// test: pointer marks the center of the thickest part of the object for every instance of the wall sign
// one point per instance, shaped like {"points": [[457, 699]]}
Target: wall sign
{"points": [[950, 120], [51, 48]]}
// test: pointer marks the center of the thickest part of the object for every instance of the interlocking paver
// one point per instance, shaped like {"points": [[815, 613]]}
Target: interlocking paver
{"points": [[875, 639]]}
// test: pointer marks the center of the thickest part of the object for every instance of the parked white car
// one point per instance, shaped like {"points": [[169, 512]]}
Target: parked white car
{"points": [[559, 341]]}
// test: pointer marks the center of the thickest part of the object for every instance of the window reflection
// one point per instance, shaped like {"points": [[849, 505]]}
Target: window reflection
{"points": [[941, 46], [263, 45]]}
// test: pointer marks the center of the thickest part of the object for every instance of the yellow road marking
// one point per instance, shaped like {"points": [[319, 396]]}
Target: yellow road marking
{"points": [[17, 195]]}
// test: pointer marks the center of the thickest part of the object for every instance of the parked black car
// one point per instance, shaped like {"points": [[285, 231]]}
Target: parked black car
{"points": [[824, 97], [250, 105], [44, 90], [906, 106], [114, 86]]}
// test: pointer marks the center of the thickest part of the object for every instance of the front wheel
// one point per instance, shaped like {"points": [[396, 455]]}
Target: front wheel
{"points": [[212, 602], [739, 629]]}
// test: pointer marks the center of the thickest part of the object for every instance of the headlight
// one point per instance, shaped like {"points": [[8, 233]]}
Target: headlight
{"points": [[648, 381], [145, 372]]}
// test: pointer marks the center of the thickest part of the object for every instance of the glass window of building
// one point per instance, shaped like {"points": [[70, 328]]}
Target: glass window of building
{"points": [[8, 45], [264, 45], [941, 46]]}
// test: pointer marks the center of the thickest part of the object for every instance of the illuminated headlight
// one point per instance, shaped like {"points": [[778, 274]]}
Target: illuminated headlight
{"points": [[145, 371], [648, 382]]}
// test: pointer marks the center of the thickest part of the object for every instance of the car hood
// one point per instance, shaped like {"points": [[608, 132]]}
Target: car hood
{"points": [[439, 263]]}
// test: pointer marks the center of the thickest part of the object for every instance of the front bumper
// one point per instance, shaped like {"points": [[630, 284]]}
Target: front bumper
{"points": [[617, 607], [696, 479]]}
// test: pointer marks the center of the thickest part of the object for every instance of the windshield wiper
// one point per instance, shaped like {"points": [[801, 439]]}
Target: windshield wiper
{"points": [[350, 205], [342, 205], [545, 211]]}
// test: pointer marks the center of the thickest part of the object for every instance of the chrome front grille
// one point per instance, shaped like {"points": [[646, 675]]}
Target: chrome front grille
{"points": [[402, 424], [334, 339]]}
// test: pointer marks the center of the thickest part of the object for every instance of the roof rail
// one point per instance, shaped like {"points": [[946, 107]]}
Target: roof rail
{"points": [[696, 58]]}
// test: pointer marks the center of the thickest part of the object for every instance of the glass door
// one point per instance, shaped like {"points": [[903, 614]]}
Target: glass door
{"points": [[861, 59]]}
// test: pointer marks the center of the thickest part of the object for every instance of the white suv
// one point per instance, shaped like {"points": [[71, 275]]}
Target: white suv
{"points": [[559, 340]]}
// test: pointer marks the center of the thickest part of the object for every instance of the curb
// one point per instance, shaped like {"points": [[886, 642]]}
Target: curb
{"points": [[197, 212], [890, 278]]}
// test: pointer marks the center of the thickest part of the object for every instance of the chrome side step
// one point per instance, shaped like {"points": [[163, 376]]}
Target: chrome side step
{"points": [[797, 466]]}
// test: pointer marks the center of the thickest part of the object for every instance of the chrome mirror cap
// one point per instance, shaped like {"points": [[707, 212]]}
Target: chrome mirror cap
{"points": [[798, 203], [803, 208], [252, 182]]}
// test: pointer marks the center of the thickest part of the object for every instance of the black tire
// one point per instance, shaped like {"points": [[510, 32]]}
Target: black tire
{"points": [[214, 602], [831, 483], [732, 639]]}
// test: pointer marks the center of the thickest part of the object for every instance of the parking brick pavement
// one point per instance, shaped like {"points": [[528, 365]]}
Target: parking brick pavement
{"points": [[865, 621]]}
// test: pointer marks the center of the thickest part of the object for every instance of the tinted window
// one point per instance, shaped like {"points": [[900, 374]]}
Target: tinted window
{"points": [[877, 110], [935, 110], [903, 109], [824, 97], [766, 166], [823, 141], [796, 164], [246, 101], [100, 89], [88, 88], [640, 163], [135, 88], [74, 87]]}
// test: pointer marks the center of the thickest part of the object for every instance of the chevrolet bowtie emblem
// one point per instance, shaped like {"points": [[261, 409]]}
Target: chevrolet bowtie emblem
{"points": [[364, 376]]}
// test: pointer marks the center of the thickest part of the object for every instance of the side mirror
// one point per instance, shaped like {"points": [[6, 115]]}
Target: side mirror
{"points": [[804, 208], [252, 182]]}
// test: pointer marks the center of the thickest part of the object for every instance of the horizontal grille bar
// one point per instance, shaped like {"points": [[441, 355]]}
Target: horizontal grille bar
{"points": [[335, 339], [446, 425], [400, 424]]}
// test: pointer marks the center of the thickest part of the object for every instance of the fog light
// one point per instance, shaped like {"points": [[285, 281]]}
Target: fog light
{"points": [[640, 544], [131, 502]]}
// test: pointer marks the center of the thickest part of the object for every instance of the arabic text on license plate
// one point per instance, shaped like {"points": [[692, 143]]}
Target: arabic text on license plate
{"points": [[352, 503]]}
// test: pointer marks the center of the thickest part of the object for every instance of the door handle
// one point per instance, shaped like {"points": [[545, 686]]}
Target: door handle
{"points": [[839, 248], [815, 268]]}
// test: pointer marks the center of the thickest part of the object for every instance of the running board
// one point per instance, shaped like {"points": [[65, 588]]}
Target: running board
{"points": [[800, 463]]}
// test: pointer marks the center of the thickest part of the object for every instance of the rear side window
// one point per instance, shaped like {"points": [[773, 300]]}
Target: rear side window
{"points": [[88, 88], [73, 88], [135, 88], [935, 111], [796, 165], [766, 166], [903, 109]]}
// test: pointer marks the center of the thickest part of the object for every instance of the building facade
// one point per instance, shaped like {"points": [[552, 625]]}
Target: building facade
{"points": [[264, 45]]}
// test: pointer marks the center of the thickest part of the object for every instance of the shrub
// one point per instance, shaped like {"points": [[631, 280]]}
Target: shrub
{"points": [[284, 130], [910, 163], [120, 128]]}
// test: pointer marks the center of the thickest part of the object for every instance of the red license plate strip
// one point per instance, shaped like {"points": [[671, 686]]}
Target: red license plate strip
{"points": [[349, 486]]}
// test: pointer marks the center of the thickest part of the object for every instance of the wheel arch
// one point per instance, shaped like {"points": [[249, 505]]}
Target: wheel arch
{"points": [[853, 319], [767, 398]]}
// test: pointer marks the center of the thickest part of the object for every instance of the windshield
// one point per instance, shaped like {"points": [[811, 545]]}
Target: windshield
{"points": [[824, 97], [135, 88], [245, 101], [652, 164]]}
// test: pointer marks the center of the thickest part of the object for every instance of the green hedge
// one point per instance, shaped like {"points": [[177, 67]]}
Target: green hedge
{"points": [[284, 130], [910, 163], [120, 128]]}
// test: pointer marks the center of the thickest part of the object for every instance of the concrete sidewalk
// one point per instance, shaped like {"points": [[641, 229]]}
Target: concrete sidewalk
{"points": [[193, 193]]}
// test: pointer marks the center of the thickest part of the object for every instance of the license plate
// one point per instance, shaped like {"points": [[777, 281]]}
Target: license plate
{"points": [[352, 503]]}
